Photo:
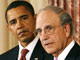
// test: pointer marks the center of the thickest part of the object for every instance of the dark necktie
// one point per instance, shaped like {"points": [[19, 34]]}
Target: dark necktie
{"points": [[23, 54]]}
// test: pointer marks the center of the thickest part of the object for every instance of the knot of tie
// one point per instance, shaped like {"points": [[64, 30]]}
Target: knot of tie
{"points": [[23, 54]]}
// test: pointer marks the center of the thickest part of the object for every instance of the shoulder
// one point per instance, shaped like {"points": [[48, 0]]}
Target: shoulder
{"points": [[74, 52], [78, 51], [11, 50], [9, 53]]}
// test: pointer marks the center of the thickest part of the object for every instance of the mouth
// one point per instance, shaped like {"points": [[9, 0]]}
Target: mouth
{"points": [[48, 44], [23, 32]]}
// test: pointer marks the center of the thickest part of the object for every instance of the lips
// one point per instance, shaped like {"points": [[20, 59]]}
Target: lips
{"points": [[47, 43], [21, 32]]}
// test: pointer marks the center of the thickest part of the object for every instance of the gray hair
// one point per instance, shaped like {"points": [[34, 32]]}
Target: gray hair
{"points": [[64, 16]]}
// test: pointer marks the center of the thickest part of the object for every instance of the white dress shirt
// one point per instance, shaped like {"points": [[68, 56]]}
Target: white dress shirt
{"points": [[65, 52], [30, 47]]}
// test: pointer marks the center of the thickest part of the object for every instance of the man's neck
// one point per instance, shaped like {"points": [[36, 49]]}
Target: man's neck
{"points": [[27, 41], [24, 44], [69, 40]]}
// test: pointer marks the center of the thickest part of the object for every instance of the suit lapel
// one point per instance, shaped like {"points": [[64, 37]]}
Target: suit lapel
{"points": [[73, 53], [14, 54], [37, 52]]}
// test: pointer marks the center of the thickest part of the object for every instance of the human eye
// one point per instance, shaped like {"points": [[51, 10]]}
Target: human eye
{"points": [[38, 31], [12, 22], [49, 27], [24, 17]]}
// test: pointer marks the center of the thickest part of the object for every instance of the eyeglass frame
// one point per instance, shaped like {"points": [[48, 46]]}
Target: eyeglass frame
{"points": [[48, 27]]}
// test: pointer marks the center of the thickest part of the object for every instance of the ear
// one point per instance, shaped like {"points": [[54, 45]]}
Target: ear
{"points": [[8, 27], [67, 28]]}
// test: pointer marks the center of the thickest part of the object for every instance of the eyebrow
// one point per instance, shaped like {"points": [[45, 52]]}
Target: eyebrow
{"points": [[23, 16], [44, 27], [11, 20]]}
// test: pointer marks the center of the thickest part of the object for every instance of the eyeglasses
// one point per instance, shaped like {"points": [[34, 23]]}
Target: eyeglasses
{"points": [[48, 30]]}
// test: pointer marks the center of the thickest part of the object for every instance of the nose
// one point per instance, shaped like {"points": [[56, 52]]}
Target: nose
{"points": [[44, 36], [19, 24]]}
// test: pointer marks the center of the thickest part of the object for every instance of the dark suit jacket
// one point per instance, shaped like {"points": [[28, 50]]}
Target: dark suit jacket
{"points": [[38, 52], [74, 53]]}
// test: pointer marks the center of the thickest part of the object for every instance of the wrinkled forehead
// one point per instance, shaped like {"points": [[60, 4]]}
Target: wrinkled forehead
{"points": [[47, 17]]}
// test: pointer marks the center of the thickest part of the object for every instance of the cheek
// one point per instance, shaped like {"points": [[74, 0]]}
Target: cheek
{"points": [[42, 42], [57, 39], [30, 26], [60, 39], [13, 30]]}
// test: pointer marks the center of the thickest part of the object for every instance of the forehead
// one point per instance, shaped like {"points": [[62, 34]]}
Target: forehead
{"points": [[47, 17], [16, 12]]}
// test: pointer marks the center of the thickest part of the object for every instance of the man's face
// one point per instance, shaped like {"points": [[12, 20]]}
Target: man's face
{"points": [[50, 31], [21, 23]]}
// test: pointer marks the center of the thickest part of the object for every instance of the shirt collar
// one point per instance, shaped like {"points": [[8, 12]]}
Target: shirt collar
{"points": [[30, 46], [65, 52]]}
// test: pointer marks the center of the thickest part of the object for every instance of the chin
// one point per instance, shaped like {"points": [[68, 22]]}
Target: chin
{"points": [[50, 51], [26, 40]]}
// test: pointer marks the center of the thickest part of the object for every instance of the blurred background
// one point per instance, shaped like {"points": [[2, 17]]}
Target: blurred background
{"points": [[8, 40]]}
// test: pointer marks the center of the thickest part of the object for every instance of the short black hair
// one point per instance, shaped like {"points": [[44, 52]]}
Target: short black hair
{"points": [[15, 4]]}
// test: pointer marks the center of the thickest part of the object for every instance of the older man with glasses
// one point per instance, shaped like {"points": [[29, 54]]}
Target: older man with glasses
{"points": [[55, 30]]}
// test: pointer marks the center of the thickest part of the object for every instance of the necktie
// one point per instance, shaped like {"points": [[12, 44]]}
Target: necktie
{"points": [[56, 59], [23, 54]]}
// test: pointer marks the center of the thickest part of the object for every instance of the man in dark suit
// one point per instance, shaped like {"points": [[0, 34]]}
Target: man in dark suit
{"points": [[55, 29], [20, 18]]}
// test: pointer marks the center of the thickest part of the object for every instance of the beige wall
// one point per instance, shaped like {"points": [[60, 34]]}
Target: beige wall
{"points": [[3, 30], [7, 39]]}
